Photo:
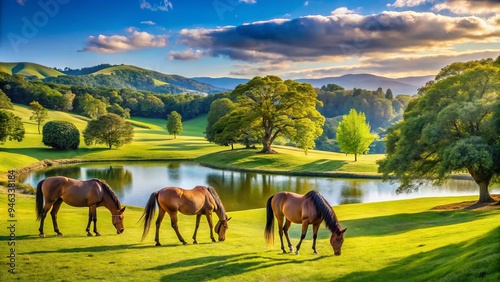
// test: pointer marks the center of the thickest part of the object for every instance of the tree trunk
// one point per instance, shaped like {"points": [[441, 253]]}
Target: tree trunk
{"points": [[355, 157], [232, 146], [266, 145], [483, 181]]}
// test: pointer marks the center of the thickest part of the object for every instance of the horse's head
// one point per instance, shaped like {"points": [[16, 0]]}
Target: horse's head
{"points": [[336, 241], [118, 221], [221, 227]]}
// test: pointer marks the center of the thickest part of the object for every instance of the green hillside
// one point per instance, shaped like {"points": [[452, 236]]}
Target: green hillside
{"points": [[29, 69]]}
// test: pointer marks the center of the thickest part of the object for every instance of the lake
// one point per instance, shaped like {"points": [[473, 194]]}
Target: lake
{"points": [[134, 182]]}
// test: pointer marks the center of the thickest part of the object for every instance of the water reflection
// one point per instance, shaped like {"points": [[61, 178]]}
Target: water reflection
{"points": [[134, 182]]}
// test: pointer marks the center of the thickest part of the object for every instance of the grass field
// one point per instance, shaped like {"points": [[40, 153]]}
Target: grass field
{"points": [[394, 241]]}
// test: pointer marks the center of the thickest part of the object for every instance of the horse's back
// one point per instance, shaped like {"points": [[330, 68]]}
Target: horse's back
{"points": [[186, 201], [295, 207], [73, 192]]}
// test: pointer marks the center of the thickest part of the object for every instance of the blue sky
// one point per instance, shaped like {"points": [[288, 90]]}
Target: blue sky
{"points": [[244, 38]]}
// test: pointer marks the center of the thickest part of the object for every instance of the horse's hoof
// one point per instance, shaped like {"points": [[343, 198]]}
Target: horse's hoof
{"points": [[184, 243], [41, 235], [59, 234], [195, 242], [297, 252], [157, 244], [89, 234], [97, 234]]}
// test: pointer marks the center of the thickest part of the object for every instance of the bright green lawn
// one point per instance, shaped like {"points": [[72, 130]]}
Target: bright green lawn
{"points": [[394, 241]]}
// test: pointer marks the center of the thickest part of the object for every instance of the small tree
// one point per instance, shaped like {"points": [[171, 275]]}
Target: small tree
{"points": [[39, 114], [109, 129], [61, 135], [5, 102], [388, 94], [353, 134], [174, 123], [11, 127]]}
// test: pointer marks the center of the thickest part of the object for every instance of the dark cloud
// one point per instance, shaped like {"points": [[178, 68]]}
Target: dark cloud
{"points": [[316, 38]]}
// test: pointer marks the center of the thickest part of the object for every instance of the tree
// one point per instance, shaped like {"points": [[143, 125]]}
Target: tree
{"points": [[5, 102], [174, 123], [109, 129], [236, 127], [331, 87], [353, 134], [92, 107], [11, 127], [39, 114], [279, 107], [218, 109], [449, 128], [388, 94], [61, 135]]}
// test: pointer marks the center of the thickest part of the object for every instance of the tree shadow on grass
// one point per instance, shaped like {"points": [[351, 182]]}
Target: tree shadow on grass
{"points": [[478, 260], [44, 153], [323, 165], [216, 267]]}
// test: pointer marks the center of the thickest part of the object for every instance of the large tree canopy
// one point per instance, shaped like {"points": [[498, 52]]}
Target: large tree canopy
{"points": [[109, 129], [281, 108], [449, 128]]}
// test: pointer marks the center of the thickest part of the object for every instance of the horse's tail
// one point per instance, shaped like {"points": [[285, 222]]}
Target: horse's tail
{"points": [[148, 213], [269, 231], [39, 200]]}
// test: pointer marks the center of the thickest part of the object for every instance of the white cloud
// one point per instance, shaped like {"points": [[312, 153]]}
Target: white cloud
{"points": [[148, 22], [342, 11], [186, 55], [121, 43], [248, 1], [408, 3], [306, 3], [158, 5], [467, 7]]}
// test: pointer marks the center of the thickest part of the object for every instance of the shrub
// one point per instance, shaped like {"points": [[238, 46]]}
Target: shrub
{"points": [[61, 135]]}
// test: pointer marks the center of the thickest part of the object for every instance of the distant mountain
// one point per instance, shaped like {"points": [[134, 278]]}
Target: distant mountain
{"points": [[29, 69], [405, 85], [228, 83]]}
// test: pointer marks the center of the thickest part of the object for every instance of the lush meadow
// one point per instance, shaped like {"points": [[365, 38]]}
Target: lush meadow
{"points": [[393, 241]]}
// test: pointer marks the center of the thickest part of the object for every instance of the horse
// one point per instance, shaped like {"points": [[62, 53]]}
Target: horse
{"points": [[91, 193], [198, 201], [310, 208]]}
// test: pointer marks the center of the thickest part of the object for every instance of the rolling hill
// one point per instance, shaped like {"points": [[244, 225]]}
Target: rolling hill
{"points": [[29, 69]]}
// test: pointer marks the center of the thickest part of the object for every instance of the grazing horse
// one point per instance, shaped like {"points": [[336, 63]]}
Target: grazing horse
{"points": [[199, 201], [310, 208], [91, 193]]}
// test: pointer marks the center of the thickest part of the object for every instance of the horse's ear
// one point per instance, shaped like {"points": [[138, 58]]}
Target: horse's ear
{"points": [[342, 231], [122, 210], [229, 218]]}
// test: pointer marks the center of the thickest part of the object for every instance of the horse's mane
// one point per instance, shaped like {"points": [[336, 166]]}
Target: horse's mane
{"points": [[218, 202], [325, 209], [110, 191]]}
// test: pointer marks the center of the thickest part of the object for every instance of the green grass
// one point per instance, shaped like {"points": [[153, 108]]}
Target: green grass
{"points": [[29, 69], [392, 241]]}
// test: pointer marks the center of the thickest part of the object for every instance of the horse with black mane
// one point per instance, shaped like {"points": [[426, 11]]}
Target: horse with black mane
{"points": [[90, 193], [198, 201], [310, 208]]}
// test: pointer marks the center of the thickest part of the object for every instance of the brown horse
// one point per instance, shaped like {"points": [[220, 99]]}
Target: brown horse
{"points": [[199, 201], [311, 208], [91, 193]]}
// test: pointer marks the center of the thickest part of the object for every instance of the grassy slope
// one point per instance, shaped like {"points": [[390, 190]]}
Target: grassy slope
{"points": [[29, 69], [393, 241]]}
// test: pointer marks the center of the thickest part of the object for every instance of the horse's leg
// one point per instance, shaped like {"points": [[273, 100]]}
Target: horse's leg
{"points": [[161, 214], [88, 224], [305, 224], [315, 236], [53, 213], [46, 209], [198, 217], [173, 223], [285, 230], [211, 226], [93, 212], [280, 229]]}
